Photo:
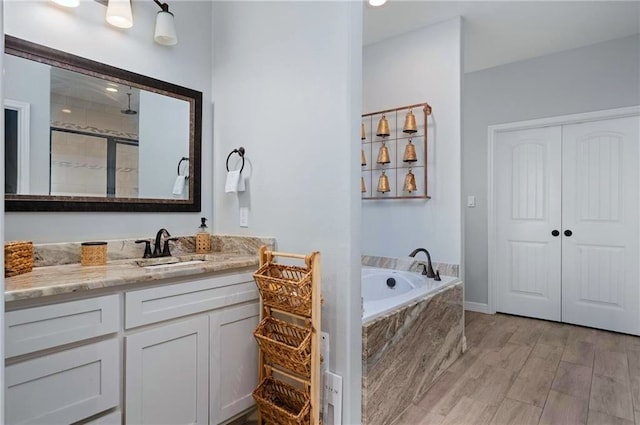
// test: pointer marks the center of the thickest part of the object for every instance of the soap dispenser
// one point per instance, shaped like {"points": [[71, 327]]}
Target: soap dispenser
{"points": [[203, 238]]}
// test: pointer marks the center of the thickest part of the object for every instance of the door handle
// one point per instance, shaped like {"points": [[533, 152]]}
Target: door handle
{"points": [[555, 233], [568, 233]]}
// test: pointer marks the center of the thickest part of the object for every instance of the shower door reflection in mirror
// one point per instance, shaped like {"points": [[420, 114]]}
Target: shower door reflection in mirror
{"points": [[91, 165]]}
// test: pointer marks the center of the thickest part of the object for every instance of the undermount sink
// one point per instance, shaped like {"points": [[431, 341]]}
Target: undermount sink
{"points": [[175, 264], [169, 261]]}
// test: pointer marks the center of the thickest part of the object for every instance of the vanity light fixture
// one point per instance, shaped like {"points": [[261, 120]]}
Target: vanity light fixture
{"points": [[165, 32], [376, 3], [119, 13], [68, 3]]}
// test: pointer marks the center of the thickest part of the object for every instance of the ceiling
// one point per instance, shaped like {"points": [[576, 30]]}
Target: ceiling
{"points": [[500, 32], [81, 87]]}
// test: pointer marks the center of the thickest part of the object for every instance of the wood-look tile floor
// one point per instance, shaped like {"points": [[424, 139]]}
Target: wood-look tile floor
{"points": [[520, 371]]}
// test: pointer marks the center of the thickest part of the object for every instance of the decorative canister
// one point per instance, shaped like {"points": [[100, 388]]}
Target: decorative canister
{"points": [[18, 258], [203, 238], [93, 253]]}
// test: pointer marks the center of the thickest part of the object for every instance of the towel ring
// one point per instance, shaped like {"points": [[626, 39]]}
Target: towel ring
{"points": [[184, 158], [239, 151]]}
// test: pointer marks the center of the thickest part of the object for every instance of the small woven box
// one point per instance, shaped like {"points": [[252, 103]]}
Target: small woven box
{"points": [[203, 243], [93, 253], [18, 258]]}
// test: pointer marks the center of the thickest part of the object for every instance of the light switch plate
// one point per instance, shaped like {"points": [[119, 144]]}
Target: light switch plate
{"points": [[244, 217], [471, 201]]}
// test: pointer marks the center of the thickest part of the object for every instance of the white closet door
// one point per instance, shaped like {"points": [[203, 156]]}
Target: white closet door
{"points": [[600, 272], [528, 202]]}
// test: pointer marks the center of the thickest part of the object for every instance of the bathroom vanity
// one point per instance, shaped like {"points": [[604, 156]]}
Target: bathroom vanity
{"points": [[123, 343]]}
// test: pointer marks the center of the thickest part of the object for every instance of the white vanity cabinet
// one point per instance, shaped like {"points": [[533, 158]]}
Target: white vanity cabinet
{"points": [[181, 352], [195, 370]]}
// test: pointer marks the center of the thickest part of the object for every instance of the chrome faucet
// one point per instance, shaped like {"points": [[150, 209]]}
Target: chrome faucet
{"points": [[427, 269]]}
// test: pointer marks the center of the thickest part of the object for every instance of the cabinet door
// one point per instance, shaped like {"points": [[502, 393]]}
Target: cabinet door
{"points": [[234, 361], [167, 374], [64, 387]]}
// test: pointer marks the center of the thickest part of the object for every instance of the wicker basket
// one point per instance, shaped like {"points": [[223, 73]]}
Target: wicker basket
{"points": [[284, 287], [285, 344], [18, 258], [93, 253], [282, 404]]}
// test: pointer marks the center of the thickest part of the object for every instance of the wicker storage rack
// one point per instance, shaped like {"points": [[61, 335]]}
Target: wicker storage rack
{"points": [[285, 287], [285, 344], [18, 258], [282, 404]]}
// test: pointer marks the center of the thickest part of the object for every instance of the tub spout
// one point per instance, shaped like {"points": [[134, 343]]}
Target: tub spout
{"points": [[428, 268]]}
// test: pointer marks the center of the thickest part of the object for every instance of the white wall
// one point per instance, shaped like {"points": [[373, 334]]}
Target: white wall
{"points": [[601, 76], [163, 129], [423, 65], [287, 88], [84, 32], [30, 82]]}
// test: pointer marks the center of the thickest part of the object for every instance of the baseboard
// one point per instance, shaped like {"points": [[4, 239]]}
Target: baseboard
{"points": [[477, 307]]}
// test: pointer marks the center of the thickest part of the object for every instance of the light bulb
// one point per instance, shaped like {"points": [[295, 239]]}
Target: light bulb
{"points": [[377, 3]]}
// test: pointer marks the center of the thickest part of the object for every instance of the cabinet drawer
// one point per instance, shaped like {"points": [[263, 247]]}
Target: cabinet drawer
{"points": [[37, 328], [169, 302], [64, 387]]}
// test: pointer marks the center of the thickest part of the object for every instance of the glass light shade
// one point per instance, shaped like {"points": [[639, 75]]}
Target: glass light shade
{"points": [[165, 29], [119, 13], [68, 3], [377, 3]]}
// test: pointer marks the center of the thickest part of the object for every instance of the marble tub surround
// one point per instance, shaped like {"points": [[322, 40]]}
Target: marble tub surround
{"points": [[56, 254], [405, 351], [409, 264], [74, 278]]}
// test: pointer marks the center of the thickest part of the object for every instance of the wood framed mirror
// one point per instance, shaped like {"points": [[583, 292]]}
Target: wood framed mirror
{"points": [[85, 136]]}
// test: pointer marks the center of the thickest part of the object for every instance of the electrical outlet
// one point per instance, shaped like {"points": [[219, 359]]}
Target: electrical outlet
{"points": [[244, 217], [332, 406]]}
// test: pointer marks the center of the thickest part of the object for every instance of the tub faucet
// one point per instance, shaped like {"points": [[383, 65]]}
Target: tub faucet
{"points": [[427, 269]]}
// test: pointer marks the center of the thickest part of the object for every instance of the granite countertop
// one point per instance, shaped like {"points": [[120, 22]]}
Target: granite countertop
{"points": [[72, 278]]}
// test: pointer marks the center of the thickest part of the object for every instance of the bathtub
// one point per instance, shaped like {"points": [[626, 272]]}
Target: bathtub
{"points": [[387, 290], [412, 329]]}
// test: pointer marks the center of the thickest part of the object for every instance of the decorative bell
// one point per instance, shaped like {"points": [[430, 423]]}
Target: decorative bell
{"points": [[363, 186], [363, 158], [383, 184], [410, 182], [410, 153], [383, 127], [410, 123], [383, 155], [363, 134]]}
